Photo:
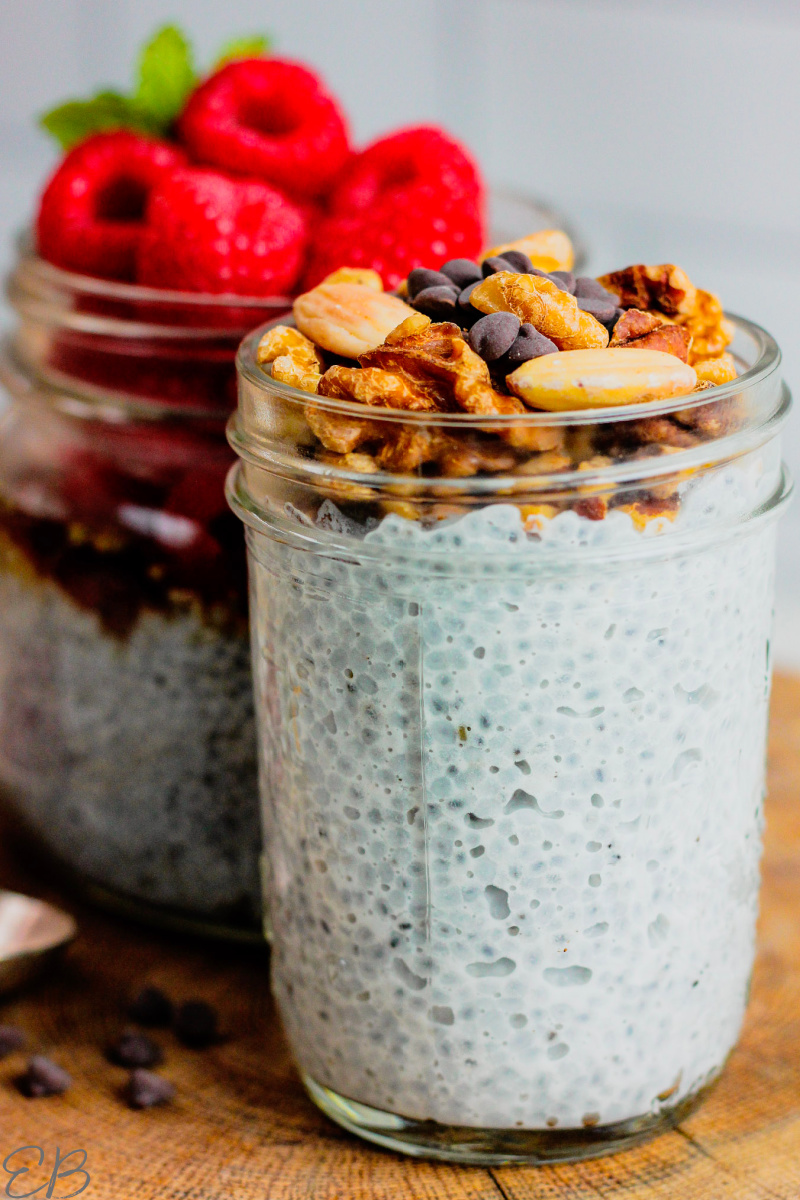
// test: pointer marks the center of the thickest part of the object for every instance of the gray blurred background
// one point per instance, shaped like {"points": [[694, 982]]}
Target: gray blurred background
{"points": [[667, 131]]}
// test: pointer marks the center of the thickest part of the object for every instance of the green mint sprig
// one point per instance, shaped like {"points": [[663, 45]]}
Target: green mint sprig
{"points": [[166, 76]]}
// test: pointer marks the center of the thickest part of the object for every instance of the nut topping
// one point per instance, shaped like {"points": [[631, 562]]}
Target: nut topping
{"points": [[579, 379], [364, 276], [548, 249], [716, 370], [538, 300], [495, 339], [295, 359], [649, 331], [666, 288], [348, 318]]}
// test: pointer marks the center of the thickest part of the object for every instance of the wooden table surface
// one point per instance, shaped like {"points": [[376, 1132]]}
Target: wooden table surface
{"points": [[241, 1127]]}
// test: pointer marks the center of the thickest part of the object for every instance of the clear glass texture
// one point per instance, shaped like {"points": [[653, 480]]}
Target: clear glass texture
{"points": [[511, 742], [126, 723]]}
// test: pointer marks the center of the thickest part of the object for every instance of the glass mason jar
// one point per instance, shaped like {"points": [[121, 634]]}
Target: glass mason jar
{"points": [[511, 743], [126, 726]]}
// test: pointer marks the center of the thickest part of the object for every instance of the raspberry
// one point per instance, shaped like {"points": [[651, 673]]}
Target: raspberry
{"points": [[271, 119], [412, 199], [91, 215], [210, 233]]}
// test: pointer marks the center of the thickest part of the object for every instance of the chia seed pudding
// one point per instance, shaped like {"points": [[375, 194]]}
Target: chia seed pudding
{"points": [[126, 718], [512, 673], [126, 722], [497, 815]]}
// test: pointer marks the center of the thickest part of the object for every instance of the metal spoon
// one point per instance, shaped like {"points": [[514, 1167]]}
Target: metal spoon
{"points": [[32, 933]]}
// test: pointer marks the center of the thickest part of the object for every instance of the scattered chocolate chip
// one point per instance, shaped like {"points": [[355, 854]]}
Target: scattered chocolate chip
{"points": [[152, 1008], [519, 261], [462, 271], [11, 1039], [565, 277], [43, 1078], [134, 1049], [422, 278], [494, 334], [560, 284], [146, 1090], [590, 288], [490, 266], [603, 310], [528, 344], [438, 303], [612, 320], [465, 313], [196, 1024]]}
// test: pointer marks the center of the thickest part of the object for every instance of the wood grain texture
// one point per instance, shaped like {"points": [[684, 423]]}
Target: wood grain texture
{"points": [[241, 1127]]}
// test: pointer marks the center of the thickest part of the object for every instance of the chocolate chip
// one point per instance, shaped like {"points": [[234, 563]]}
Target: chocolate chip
{"points": [[519, 261], [196, 1024], [603, 310], [438, 303], [146, 1090], [585, 286], [135, 1050], [553, 278], [493, 335], [463, 299], [462, 271], [152, 1008], [422, 278], [465, 313], [490, 266], [43, 1078], [11, 1039], [565, 277], [612, 320], [528, 344]]}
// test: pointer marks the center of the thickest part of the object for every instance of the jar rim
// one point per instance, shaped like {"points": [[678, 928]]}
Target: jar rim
{"points": [[767, 362], [115, 289], [40, 271]]}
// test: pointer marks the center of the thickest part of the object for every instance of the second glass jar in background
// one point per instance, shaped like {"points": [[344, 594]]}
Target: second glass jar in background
{"points": [[126, 728]]}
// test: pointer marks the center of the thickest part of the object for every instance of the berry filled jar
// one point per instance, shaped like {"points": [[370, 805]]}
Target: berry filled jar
{"points": [[126, 728]]}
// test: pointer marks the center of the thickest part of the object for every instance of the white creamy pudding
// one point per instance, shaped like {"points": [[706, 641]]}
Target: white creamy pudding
{"points": [[514, 793], [131, 759]]}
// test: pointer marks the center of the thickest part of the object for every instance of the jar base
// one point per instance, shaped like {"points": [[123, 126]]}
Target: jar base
{"points": [[160, 917], [242, 927], [473, 1146]]}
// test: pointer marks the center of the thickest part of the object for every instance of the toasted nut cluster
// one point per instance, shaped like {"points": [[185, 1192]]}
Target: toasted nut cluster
{"points": [[716, 370], [364, 276], [516, 332], [295, 359], [650, 331], [666, 289], [555, 313], [348, 318], [711, 333], [601, 378], [548, 249]]}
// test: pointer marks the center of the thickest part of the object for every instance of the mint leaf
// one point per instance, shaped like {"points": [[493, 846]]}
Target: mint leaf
{"points": [[256, 46], [166, 76], [70, 123]]}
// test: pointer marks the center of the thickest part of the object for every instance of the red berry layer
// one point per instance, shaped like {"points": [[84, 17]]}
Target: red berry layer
{"points": [[409, 199], [210, 233], [268, 118], [91, 216]]}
